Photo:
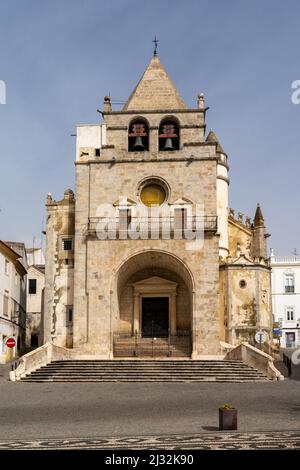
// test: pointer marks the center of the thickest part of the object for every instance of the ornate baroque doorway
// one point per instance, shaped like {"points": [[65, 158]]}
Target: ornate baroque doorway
{"points": [[154, 307]]}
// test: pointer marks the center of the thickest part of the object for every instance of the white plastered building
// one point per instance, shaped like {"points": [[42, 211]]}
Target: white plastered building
{"points": [[286, 298]]}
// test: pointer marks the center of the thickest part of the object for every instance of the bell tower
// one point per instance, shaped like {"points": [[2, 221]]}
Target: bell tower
{"points": [[152, 152], [146, 248]]}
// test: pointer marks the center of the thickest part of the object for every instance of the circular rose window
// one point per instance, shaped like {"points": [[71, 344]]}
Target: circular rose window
{"points": [[153, 194]]}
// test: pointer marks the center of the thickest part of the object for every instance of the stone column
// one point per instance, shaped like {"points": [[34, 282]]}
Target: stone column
{"points": [[136, 313], [173, 325]]}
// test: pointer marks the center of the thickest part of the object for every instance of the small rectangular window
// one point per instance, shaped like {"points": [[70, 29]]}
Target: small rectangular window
{"points": [[6, 267], [124, 218], [97, 152], [69, 314], [14, 310], [67, 245], [180, 219], [3, 346], [290, 314], [289, 285], [5, 303], [32, 286], [34, 341]]}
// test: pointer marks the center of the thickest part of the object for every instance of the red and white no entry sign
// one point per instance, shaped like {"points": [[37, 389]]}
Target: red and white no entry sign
{"points": [[10, 342]]}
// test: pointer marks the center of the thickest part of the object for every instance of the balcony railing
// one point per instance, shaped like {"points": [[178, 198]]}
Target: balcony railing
{"points": [[291, 344], [292, 259], [151, 227], [289, 289]]}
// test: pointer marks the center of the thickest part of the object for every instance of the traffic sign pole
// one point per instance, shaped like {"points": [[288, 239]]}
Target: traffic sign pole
{"points": [[261, 338]]}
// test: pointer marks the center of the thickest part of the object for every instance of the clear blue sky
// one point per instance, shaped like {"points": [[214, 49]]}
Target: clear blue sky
{"points": [[59, 58]]}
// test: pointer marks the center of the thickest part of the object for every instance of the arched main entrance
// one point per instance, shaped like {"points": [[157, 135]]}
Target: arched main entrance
{"points": [[155, 306]]}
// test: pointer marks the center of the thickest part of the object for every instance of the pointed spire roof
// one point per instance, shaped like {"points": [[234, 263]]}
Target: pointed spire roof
{"points": [[154, 91], [259, 220], [213, 138]]}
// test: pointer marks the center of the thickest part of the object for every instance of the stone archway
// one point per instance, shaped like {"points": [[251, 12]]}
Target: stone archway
{"points": [[153, 274]]}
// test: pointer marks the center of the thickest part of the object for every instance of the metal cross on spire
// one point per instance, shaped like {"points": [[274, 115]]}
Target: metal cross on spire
{"points": [[155, 40]]}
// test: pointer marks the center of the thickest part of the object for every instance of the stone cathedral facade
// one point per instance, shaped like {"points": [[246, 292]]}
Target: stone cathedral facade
{"points": [[110, 294]]}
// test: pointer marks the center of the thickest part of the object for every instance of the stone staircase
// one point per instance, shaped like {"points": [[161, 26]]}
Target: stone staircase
{"points": [[145, 371]]}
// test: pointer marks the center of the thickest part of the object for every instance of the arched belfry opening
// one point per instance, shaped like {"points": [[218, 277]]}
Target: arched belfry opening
{"points": [[154, 299], [168, 137], [138, 135]]}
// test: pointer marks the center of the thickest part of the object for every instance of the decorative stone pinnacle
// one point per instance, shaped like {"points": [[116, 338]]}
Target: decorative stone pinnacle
{"points": [[107, 104], [200, 100], [248, 221], [69, 195], [259, 219]]}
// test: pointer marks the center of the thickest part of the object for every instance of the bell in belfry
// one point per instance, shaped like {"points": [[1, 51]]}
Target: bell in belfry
{"points": [[167, 133], [168, 144], [138, 145]]}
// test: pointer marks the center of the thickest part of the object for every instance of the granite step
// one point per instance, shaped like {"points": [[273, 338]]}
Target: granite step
{"points": [[145, 371]]}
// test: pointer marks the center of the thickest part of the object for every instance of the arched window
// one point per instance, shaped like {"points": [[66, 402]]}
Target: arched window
{"points": [[138, 136], [168, 135]]}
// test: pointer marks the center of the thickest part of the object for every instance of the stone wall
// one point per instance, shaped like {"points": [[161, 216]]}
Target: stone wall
{"points": [[103, 181], [59, 270], [245, 286]]}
